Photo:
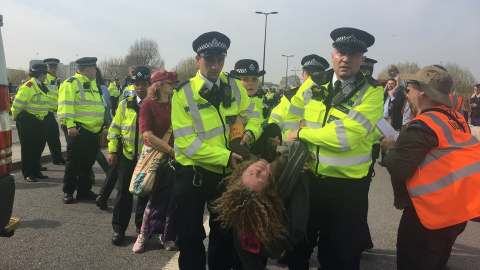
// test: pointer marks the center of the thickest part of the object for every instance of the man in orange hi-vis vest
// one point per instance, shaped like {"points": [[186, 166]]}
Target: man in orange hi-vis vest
{"points": [[435, 173]]}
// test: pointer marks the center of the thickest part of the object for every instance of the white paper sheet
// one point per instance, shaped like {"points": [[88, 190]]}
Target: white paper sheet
{"points": [[386, 129]]}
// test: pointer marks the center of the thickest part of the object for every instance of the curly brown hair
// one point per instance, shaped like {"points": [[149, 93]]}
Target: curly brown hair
{"points": [[251, 212]]}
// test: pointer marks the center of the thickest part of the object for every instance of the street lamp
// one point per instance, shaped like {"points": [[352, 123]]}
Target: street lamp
{"points": [[295, 70], [265, 39], [286, 71]]}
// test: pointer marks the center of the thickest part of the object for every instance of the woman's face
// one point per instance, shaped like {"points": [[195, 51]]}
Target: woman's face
{"points": [[256, 175], [167, 88], [250, 83]]}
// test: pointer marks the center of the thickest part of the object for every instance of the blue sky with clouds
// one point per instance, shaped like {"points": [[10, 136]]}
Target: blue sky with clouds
{"points": [[423, 31]]}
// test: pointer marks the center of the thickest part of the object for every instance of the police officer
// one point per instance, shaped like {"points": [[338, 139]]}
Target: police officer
{"points": [[52, 135], [249, 73], [340, 107], [124, 146], [81, 110], [114, 89], [367, 66], [310, 64], [202, 109], [29, 109]]}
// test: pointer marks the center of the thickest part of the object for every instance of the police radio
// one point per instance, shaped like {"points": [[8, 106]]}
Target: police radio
{"points": [[227, 95]]}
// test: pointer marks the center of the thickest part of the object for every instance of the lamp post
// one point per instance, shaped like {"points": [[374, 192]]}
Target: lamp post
{"points": [[286, 71], [295, 70], [265, 39]]}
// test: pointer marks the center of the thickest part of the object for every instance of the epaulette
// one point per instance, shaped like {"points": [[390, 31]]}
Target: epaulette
{"points": [[71, 79], [29, 84], [372, 81], [180, 85], [232, 76]]}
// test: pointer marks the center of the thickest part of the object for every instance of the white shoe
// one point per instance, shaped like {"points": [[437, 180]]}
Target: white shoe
{"points": [[139, 245], [169, 245], [160, 239]]}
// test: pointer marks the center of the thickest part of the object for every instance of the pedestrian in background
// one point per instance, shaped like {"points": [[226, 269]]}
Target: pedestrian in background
{"points": [[29, 109], [154, 123], [475, 105]]}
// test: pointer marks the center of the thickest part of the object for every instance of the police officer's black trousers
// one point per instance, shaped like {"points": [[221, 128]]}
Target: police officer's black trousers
{"points": [[52, 136], [337, 217], [109, 183], [82, 151], [114, 102], [32, 141], [190, 206], [122, 209]]}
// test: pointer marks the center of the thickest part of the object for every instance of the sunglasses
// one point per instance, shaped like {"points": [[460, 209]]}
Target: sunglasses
{"points": [[410, 83]]}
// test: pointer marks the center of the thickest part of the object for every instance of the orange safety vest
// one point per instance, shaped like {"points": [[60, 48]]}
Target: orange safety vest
{"points": [[445, 187], [456, 102]]}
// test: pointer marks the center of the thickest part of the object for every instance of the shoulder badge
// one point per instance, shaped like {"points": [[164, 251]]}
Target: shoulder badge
{"points": [[71, 79], [180, 85], [29, 84], [372, 81]]}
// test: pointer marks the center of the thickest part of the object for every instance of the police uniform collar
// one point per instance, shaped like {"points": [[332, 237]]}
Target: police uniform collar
{"points": [[208, 83], [344, 83], [139, 100]]}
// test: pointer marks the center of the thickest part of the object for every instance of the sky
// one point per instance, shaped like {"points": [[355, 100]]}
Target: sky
{"points": [[422, 31]]}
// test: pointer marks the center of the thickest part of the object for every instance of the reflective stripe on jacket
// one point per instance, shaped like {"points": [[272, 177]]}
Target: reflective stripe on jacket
{"points": [[114, 89], [79, 105], [201, 131], [124, 126], [53, 84], [280, 112], [340, 136], [257, 114], [445, 187], [32, 99]]}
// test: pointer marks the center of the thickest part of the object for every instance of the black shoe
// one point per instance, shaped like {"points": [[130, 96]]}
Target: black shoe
{"points": [[101, 203], [117, 238], [60, 161], [31, 179], [40, 175], [283, 258], [42, 169], [68, 198], [89, 195], [381, 164]]}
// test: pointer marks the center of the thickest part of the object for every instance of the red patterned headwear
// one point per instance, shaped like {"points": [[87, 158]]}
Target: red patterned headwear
{"points": [[170, 77]]}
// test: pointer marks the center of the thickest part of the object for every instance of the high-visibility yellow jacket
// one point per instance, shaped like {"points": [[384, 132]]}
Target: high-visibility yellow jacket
{"points": [[53, 84], [79, 101], [114, 89], [125, 127], [32, 99], [340, 136], [279, 113], [201, 131], [257, 114], [269, 96]]}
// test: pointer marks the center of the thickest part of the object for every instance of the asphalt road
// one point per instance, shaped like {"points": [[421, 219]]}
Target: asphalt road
{"points": [[58, 236]]}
